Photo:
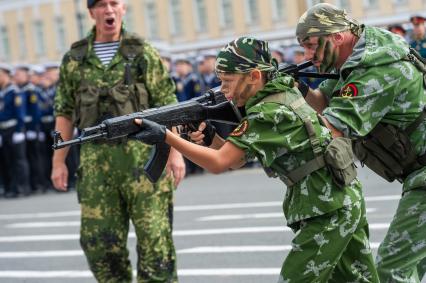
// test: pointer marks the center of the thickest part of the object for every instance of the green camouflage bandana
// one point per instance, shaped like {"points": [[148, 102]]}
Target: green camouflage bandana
{"points": [[324, 19], [243, 55]]}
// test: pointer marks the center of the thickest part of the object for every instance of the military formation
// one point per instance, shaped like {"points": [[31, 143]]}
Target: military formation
{"points": [[26, 125], [306, 133]]}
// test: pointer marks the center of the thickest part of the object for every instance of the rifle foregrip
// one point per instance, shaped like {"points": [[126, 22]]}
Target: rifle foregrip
{"points": [[157, 162]]}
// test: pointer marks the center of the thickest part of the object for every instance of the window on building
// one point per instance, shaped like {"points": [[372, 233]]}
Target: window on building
{"points": [[343, 4], [370, 3], [311, 3], [278, 10], [5, 44], [252, 12], [400, 2], [39, 37], [22, 41], [201, 15], [226, 15], [151, 19], [128, 20], [176, 17], [61, 42]]}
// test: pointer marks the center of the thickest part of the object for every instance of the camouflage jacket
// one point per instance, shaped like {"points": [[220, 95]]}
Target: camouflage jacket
{"points": [[377, 84], [159, 85], [278, 137]]}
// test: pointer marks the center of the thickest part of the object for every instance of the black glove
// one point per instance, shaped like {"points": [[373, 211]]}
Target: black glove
{"points": [[209, 133], [151, 133], [303, 88]]}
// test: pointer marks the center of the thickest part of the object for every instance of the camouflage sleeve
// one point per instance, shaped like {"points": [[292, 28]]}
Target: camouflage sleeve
{"points": [[269, 131], [366, 97], [326, 87], [64, 102], [158, 82]]}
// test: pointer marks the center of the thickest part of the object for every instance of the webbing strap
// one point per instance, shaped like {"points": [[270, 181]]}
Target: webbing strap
{"points": [[410, 129], [315, 164], [315, 143], [304, 170]]}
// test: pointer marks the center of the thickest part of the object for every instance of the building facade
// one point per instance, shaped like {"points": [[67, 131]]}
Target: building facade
{"points": [[36, 31]]}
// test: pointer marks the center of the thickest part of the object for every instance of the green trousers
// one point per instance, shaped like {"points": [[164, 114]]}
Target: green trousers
{"points": [[112, 192], [333, 247], [402, 254]]}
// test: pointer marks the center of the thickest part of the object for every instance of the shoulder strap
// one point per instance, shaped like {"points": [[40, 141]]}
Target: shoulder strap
{"points": [[295, 103], [79, 49], [131, 46]]}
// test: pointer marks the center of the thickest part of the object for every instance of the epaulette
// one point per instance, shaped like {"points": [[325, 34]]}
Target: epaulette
{"points": [[79, 49], [131, 46]]}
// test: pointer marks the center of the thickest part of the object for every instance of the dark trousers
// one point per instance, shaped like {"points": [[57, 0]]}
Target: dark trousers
{"points": [[47, 151], [37, 174], [13, 164]]}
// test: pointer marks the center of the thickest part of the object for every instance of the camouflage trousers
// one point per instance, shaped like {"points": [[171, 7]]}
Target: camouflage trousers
{"points": [[402, 254], [333, 247], [112, 192]]}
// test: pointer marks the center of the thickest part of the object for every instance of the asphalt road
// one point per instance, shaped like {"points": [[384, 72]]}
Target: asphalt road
{"points": [[227, 228]]}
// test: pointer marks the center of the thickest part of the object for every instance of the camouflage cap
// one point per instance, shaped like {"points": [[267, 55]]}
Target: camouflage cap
{"points": [[324, 19], [243, 55]]}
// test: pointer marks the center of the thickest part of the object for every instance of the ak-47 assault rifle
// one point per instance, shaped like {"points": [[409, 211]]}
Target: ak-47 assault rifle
{"points": [[211, 106]]}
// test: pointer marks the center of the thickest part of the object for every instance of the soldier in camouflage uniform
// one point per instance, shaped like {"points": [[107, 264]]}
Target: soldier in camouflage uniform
{"points": [[280, 129], [111, 187], [378, 102]]}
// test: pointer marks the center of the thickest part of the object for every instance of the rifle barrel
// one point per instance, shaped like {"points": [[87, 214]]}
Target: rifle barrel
{"points": [[77, 140], [318, 75]]}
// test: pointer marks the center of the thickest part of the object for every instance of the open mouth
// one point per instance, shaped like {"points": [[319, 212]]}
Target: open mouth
{"points": [[110, 22]]}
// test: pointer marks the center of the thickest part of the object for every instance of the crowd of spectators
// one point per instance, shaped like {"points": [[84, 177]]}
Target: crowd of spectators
{"points": [[26, 108]]}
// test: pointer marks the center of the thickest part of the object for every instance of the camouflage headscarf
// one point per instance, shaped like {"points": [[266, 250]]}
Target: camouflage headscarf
{"points": [[245, 54], [324, 19]]}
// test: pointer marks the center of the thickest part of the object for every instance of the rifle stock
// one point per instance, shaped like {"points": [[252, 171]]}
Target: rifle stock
{"points": [[211, 106]]}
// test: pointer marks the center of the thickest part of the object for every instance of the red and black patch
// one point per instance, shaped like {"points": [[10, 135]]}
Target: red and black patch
{"points": [[240, 130], [350, 90]]}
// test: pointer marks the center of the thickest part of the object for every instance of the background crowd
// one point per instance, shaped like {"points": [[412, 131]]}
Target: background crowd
{"points": [[26, 109]]}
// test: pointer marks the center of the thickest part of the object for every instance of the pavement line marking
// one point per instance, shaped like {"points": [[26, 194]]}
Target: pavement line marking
{"points": [[181, 272], [200, 232], [39, 254], [194, 250], [244, 249], [39, 215], [180, 208], [252, 216], [43, 224]]}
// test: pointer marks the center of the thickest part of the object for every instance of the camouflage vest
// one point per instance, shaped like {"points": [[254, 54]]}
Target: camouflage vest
{"points": [[337, 156], [94, 104], [387, 149]]}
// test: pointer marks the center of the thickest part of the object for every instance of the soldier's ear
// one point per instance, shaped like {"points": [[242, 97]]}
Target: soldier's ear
{"points": [[255, 76]]}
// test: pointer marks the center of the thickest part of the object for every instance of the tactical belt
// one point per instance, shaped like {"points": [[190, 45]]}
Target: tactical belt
{"points": [[8, 124], [296, 175]]}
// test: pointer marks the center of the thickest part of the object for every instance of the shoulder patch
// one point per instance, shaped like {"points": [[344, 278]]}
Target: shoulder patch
{"points": [[350, 90], [240, 130]]}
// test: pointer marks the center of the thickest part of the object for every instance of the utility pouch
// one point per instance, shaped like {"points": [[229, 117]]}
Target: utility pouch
{"points": [[339, 159], [387, 151], [128, 98], [87, 110]]}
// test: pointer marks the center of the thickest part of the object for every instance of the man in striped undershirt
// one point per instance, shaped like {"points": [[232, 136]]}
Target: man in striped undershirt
{"points": [[110, 73]]}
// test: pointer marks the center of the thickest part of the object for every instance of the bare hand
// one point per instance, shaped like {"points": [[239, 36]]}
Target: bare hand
{"points": [[198, 136], [59, 176], [176, 166]]}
